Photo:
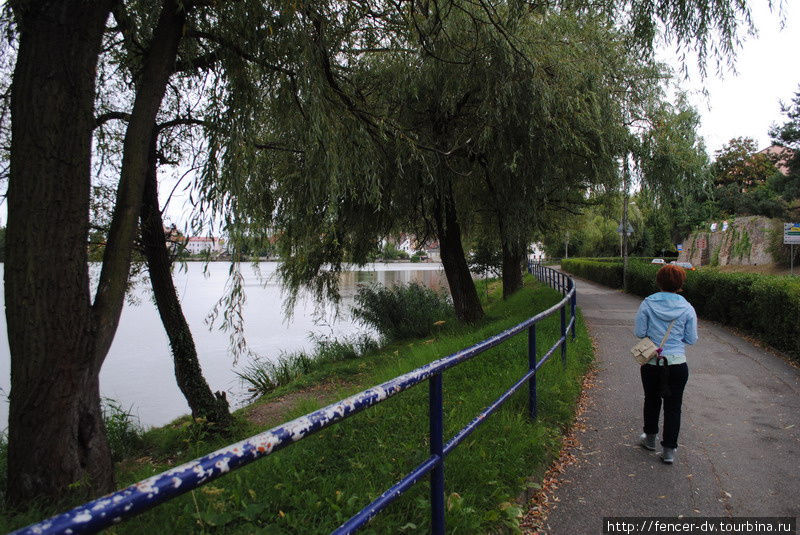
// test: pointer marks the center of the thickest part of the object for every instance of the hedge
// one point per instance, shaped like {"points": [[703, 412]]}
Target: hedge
{"points": [[607, 273], [765, 306]]}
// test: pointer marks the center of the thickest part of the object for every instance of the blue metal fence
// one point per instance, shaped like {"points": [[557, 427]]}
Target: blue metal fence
{"points": [[113, 508]]}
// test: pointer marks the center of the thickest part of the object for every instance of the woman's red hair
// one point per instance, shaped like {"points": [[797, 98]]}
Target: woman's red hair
{"points": [[670, 278]]}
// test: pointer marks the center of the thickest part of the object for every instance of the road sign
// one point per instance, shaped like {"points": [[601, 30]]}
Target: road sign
{"points": [[791, 233], [679, 247]]}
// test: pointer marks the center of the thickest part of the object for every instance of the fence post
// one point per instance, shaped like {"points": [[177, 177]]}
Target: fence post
{"points": [[564, 334], [532, 408], [572, 303], [437, 448]]}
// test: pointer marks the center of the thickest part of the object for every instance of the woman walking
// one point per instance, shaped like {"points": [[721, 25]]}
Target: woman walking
{"points": [[664, 377]]}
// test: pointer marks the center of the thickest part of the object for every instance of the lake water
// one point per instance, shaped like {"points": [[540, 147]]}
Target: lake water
{"points": [[138, 372]]}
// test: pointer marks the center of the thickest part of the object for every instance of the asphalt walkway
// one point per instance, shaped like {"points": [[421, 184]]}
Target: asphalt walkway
{"points": [[739, 447]]}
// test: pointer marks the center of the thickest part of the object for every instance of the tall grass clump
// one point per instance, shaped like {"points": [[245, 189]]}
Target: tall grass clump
{"points": [[3, 464], [122, 428], [402, 311], [263, 376]]}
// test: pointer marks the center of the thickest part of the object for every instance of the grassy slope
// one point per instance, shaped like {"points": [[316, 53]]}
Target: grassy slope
{"points": [[318, 483]]}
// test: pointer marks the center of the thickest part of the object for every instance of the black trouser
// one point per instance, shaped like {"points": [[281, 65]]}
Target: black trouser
{"points": [[651, 381]]}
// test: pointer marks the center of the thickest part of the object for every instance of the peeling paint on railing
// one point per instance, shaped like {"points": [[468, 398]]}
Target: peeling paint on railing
{"points": [[113, 508]]}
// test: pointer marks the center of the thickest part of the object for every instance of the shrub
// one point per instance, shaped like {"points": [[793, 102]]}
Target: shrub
{"points": [[775, 311], [401, 311], [642, 278], [602, 271]]}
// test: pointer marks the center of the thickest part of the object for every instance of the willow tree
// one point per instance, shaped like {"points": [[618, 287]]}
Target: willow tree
{"points": [[675, 175], [392, 135], [555, 126]]}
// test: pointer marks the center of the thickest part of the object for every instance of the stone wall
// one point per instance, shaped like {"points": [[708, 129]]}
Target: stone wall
{"points": [[745, 242]]}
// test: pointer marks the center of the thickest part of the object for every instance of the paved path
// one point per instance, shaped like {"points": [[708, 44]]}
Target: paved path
{"points": [[739, 447]]}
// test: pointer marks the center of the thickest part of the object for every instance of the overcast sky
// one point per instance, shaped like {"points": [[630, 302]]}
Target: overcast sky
{"points": [[741, 104], [746, 103]]}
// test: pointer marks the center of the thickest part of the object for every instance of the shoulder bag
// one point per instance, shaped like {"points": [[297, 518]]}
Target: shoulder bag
{"points": [[646, 349]]}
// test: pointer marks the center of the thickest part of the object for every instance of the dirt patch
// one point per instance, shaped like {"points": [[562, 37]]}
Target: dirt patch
{"points": [[275, 411]]}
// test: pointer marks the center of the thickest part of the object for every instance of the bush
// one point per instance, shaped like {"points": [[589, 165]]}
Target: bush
{"points": [[598, 270], [401, 311], [775, 312], [642, 277]]}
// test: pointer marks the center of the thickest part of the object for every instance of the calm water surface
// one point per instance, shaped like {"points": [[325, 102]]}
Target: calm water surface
{"points": [[138, 371]]}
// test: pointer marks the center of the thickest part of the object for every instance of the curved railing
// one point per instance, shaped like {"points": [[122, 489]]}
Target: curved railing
{"points": [[113, 508]]}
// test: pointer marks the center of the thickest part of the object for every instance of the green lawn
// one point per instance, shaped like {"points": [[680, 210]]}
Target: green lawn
{"points": [[315, 485]]}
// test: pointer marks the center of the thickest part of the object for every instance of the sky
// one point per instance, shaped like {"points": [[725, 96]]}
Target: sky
{"points": [[741, 104], [747, 103]]}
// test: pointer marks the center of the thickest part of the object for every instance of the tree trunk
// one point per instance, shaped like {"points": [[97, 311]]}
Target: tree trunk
{"points": [[511, 252], [157, 69], [513, 256], [56, 437], [58, 339], [459, 279], [626, 176], [203, 403]]}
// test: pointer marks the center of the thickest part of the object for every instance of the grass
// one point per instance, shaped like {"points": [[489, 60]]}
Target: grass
{"points": [[262, 377], [123, 429], [318, 483]]}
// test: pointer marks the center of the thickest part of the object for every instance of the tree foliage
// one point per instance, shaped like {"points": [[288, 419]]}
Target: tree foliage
{"points": [[788, 135], [739, 163]]}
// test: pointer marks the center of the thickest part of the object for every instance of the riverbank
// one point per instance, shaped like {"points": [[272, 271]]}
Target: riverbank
{"points": [[318, 483], [139, 372]]}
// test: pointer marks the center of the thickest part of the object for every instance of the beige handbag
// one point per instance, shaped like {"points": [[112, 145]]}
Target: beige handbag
{"points": [[646, 349]]}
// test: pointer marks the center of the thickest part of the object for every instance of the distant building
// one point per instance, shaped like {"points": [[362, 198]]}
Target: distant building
{"points": [[411, 245], [536, 251], [433, 251], [198, 245], [780, 156]]}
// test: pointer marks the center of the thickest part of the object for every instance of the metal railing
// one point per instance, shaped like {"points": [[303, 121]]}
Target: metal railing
{"points": [[137, 498]]}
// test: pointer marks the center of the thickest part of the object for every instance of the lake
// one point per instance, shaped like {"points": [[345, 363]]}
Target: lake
{"points": [[138, 371]]}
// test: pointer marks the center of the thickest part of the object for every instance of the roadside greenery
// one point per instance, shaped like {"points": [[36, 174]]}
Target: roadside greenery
{"points": [[316, 484], [766, 306], [681, 189], [263, 376]]}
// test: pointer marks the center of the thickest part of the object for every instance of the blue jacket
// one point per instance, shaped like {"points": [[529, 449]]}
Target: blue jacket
{"points": [[654, 315]]}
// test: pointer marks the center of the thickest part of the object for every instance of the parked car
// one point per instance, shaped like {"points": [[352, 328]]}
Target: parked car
{"points": [[657, 261], [685, 265]]}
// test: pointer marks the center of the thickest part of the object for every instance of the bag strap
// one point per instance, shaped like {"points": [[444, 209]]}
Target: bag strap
{"points": [[666, 335]]}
